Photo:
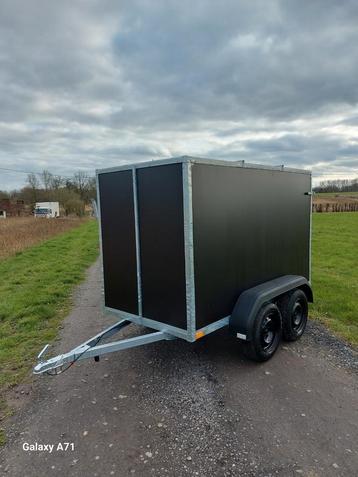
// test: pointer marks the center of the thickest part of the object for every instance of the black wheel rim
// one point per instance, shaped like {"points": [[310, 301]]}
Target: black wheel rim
{"points": [[269, 329], [298, 316]]}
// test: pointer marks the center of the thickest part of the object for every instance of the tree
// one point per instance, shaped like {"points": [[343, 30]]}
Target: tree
{"points": [[84, 185], [56, 182], [337, 185], [74, 206], [34, 184], [72, 194], [46, 177], [80, 182], [92, 189]]}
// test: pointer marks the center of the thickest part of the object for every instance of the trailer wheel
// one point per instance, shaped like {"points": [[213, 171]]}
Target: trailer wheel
{"points": [[266, 333], [294, 310]]}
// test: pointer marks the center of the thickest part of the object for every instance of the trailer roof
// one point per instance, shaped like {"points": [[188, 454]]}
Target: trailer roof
{"points": [[199, 160]]}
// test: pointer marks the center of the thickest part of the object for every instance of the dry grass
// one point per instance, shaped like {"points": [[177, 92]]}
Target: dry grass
{"points": [[19, 233], [335, 202]]}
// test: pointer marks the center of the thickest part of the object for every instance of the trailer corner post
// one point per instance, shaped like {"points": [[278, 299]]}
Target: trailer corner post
{"points": [[137, 240], [100, 240], [189, 249], [310, 232]]}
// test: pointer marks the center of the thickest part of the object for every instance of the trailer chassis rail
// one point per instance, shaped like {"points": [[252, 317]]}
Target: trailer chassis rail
{"points": [[92, 349]]}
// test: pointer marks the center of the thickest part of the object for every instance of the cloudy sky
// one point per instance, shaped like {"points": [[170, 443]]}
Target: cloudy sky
{"points": [[88, 84]]}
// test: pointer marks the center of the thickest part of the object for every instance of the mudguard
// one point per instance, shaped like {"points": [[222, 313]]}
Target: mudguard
{"points": [[250, 301]]}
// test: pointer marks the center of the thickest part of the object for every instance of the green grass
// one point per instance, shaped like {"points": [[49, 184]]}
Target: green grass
{"points": [[35, 291], [335, 272]]}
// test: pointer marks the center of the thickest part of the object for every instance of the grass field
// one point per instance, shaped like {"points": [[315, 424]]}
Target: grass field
{"points": [[18, 233], [335, 272], [35, 290]]}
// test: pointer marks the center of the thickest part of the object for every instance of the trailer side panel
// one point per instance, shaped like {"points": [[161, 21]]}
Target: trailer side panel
{"points": [[250, 226], [118, 240], [161, 225]]}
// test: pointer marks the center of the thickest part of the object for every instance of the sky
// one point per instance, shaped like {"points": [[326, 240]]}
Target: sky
{"points": [[90, 84]]}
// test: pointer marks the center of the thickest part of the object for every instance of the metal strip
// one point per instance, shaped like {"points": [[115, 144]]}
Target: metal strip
{"points": [[214, 326], [140, 320], [243, 164], [200, 160], [310, 237], [86, 351], [124, 344], [189, 250], [111, 330], [140, 165], [100, 238], [137, 240]]}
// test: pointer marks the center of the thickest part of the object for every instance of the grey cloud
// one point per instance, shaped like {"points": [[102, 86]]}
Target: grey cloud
{"points": [[267, 60], [294, 150], [88, 84], [134, 150]]}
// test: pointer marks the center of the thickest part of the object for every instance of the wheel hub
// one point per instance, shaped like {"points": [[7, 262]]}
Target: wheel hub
{"points": [[268, 331], [268, 337], [297, 315]]}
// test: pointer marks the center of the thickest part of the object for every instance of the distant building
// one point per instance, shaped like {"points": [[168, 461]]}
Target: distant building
{"points": [[14, 208]]}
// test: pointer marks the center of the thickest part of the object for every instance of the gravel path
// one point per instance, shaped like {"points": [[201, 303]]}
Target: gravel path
{"points": [[180, 409]]}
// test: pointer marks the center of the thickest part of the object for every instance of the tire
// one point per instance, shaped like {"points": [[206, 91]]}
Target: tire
{"points": [[294, 311], [266, 334]]}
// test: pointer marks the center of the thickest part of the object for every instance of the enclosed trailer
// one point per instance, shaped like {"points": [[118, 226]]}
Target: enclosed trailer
{"points": [[192, 245]]}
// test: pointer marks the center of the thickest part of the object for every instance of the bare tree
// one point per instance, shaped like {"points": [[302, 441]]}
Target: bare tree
{"points": [[33, 181], [34, 184], [46, 177], [56, 182], [338, 185], [80, 182]]}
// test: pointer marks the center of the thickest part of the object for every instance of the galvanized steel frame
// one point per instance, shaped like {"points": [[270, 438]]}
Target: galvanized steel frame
{"points": [[90, 348], [189, 250], [141, 320], [137, 241], [100, 238], [200, 160], [310, 237]]}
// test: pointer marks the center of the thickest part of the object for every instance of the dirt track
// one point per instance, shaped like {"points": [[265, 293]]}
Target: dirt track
{"points": [[180, 409]]}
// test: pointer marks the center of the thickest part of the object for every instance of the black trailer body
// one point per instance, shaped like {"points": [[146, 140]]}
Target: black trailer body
{"points": [[250, 226], [182, 239]]}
